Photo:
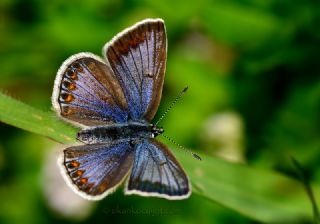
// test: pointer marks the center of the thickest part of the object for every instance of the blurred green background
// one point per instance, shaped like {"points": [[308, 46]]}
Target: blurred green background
{"points": [[252, 68]]}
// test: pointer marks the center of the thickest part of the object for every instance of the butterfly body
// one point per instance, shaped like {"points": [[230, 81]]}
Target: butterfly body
{"points": [[133, 131], [114, 99]]}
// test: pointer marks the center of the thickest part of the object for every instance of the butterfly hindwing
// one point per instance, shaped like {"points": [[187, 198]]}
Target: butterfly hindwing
{"points": [[138, 58], [87, 92], [156, 172], [115, 99], [94, 171]]}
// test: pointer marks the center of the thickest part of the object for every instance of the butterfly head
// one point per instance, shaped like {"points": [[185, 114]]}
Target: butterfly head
{"points": [[155, 131]]}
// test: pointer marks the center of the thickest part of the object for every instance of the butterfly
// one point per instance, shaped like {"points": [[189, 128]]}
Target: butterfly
{"points": [[114, 100]]}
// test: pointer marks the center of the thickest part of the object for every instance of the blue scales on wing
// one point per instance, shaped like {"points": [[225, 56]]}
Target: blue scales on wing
{"points": [[98, 168], [138, 58], [156, 172], [88, 93], [113, 98], [127, 86]]}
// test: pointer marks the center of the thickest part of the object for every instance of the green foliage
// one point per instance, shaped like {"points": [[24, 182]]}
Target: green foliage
{"points": [[256, 60], [20, 115], [249, 191]]}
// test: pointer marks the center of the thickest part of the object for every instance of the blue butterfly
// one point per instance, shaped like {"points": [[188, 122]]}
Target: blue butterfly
{"points": [[114, 100]]}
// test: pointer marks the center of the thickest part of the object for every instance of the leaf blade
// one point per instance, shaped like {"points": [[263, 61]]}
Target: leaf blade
{"points": [[259, 194], [21, 115]]}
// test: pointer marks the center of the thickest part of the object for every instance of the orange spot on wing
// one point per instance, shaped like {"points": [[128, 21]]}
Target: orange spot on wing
{"points": [[72, 75], [73, 164], [72, 86], [67, 97], [82, 181], [78, 67], [102, 187], [78, 173], [69, 85]]}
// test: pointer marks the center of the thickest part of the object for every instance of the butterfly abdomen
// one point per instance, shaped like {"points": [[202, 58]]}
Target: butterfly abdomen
{"points": [[113, 132]]}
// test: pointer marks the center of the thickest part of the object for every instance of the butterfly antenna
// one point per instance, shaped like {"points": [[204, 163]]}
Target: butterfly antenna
{"points": [[172, 104], [181, 147]]}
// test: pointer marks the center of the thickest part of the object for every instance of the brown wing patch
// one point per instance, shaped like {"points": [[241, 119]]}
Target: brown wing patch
{"points": [[138, 58]]}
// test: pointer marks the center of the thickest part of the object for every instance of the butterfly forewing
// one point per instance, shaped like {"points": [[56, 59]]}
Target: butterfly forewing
{"points": [[156, 172], [95, 170], [114, 94], [87, 92], [138, 59]]}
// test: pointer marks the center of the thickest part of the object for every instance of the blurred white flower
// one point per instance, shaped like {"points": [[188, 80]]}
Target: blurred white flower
{"points": [[59, 196], [223, 136]]}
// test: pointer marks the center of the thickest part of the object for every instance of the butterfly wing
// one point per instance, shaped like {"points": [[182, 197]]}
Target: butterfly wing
{"points": [[94, 171], [86, 92], [138, 58], [156, 172]]}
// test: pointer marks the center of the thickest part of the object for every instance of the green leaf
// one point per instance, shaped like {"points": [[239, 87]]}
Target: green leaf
{"points": [[23, 116], [263, 195]]}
